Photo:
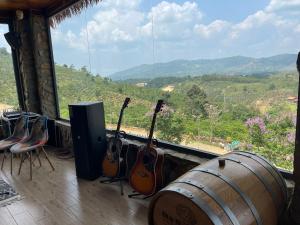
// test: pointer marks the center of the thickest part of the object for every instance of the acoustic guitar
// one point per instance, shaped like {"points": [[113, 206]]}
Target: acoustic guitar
{"points": [[113, 163], [146, 176]]}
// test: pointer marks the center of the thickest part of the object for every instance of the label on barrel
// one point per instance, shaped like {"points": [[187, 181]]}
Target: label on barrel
{"points": [[184, 216]]}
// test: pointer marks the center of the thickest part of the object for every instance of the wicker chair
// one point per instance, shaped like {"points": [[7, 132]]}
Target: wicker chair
{"points": [[20, 133], [34, 142]]}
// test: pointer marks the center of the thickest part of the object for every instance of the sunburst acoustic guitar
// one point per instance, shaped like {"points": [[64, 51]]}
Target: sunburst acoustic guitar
{"points": [[146, 176], [113, 164]]}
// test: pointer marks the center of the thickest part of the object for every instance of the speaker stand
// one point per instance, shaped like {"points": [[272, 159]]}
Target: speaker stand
{"points": [[135, 195]]}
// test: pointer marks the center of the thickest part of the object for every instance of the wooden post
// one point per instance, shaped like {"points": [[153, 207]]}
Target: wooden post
{"points": [[295, 205]]}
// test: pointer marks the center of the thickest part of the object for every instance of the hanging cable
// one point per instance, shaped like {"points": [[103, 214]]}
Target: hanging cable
{"points": [[152, 33], [88, 42]]}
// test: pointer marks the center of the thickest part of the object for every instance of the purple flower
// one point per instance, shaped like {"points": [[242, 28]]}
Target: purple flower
{"points": [[291, 137], [294, 120], [256, 121]]}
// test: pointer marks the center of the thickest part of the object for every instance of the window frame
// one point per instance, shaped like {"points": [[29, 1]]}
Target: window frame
{"points": [[164, 144]]}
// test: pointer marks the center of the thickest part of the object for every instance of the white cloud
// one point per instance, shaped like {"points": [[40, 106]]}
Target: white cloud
{"points": [[120, 4], [217, 26], [113, 25], [172, 21], [297, 29], [283, 5]]}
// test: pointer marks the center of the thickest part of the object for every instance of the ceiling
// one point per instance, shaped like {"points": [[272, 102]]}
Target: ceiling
{"points": [[27, 4], [51, 7]]}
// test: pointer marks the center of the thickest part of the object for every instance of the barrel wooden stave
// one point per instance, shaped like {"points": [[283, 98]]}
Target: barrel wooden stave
{"points": [[274, 177], [233, 200], [251, 185], [270, 180], [251, 174], [165, 215]]}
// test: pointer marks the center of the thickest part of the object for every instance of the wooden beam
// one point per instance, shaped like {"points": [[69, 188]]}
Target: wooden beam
{"points": [[6, 16]]}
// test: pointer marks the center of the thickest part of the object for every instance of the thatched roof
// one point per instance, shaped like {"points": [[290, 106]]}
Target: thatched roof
{"points": [[71, 10]]}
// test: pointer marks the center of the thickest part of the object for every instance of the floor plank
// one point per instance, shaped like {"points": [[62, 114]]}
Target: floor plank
{"points": [[58, 197]]}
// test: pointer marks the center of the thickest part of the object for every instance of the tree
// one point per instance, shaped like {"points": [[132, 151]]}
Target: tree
{"points": [[196, 99], [107, 80], [166, 96], [98, 94], [120, 90], [257, 129], [272, 86], [84, 69], [4, 52], [213, 115], [170, 126]]}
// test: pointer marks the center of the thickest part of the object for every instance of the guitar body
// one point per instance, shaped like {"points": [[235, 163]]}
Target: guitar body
{"points": [[113, 164], [146, 176]]}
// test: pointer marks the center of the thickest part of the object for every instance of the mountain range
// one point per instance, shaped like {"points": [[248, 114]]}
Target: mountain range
{"points": [[236, 65]]}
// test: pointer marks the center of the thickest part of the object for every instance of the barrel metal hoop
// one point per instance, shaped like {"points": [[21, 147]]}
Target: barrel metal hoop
{"points": [[199, 202], [279, 179], [237, 189], [214, 196], [260, 177]]}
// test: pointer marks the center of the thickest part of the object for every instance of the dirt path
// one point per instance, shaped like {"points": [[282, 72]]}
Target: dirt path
{"points": [[207, 147], [197, 145], [4, 107], [168, 88]]}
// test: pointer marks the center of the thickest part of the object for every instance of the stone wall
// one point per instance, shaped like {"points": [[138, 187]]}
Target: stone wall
{"points": [[35, 65], [43, 66], [27, 67]]}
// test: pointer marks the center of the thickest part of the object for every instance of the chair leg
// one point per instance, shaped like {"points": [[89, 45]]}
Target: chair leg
{"points": [[21, 162], [11, 162], [30, 159], [42, 148], [4, 156], [28, 156], [38, 156]]}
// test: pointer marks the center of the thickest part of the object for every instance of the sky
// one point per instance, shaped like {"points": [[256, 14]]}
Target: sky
{"points": [[3, 43], [119, 34]]}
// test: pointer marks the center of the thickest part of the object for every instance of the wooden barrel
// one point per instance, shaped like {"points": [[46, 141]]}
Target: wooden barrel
{"points": [[239, 188]]}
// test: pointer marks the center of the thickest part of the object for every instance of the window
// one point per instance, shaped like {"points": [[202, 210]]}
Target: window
{"points": [[8, 93], [228, 79]]}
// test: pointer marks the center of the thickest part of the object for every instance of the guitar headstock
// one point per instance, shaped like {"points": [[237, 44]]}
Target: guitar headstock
{"points": [[159, 105], [126, 102]]}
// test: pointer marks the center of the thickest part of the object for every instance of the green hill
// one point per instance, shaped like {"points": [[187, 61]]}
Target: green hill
{"points": [[8, 93], [237, 65]]}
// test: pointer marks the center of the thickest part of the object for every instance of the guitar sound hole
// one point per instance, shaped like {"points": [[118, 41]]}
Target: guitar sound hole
{"points": [[114, 149]]}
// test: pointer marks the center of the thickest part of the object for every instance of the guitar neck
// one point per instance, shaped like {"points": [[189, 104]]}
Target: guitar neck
{"points": [[149, 143], [119, 123]]}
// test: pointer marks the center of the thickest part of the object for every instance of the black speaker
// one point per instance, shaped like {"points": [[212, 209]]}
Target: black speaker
{"points": [[89, 138]]}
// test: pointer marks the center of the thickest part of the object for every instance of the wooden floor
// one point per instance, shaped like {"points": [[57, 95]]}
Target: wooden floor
{"points": [[59, 198]]}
